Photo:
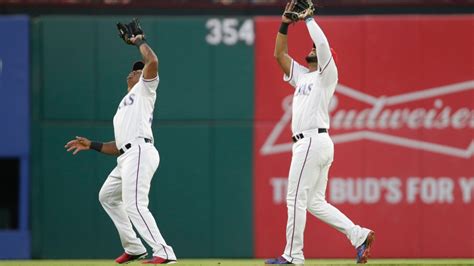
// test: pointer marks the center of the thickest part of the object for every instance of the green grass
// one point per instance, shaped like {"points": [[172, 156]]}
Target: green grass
{"points": [[239, 262]]}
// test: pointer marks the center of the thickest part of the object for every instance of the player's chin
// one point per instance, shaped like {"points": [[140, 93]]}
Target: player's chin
{"points": [[311, 59]]}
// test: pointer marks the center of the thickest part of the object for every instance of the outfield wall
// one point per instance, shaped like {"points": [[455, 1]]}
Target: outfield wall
{"points": [[14, 137], [402, 120], [202, 193]]}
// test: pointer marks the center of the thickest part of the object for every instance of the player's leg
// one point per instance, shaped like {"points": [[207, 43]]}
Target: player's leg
{"points": [[138, 167], [319, 207], [110, 196], [300, 180]]}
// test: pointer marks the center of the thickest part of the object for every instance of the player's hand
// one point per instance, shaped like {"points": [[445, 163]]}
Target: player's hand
{"points": [[134, 39], [306, 14], [289, 6], [77, 145]]}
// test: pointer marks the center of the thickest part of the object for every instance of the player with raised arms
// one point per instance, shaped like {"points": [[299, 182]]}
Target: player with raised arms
{"points": [[124, 194], [313, 149]]}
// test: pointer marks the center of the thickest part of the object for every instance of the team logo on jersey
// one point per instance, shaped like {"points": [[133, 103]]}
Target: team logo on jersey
{"points": [[404, 120], [304, 89], [127, 101]]}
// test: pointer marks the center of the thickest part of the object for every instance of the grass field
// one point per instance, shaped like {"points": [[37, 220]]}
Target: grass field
{"points": [[237, 262]]}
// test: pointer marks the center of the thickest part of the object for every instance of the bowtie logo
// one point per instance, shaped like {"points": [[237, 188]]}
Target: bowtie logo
{"points": [[393, 120]]}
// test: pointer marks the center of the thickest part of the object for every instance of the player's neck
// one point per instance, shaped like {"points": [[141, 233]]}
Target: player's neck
{"points": [[312, 67]]}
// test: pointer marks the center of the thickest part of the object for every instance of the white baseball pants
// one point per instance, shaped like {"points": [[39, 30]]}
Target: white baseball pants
{"points": [[307, 181], [124, 197]]}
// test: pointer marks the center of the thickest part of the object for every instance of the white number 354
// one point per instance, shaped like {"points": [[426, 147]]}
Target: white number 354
{"points": [[229, 31]]}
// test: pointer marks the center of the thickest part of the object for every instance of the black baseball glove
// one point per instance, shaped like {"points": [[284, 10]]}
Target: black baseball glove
{"points": [[299, 9], [130, 30]]}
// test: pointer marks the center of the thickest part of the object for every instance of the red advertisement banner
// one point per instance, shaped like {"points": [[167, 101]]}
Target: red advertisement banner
{"points": [[402, 120]]}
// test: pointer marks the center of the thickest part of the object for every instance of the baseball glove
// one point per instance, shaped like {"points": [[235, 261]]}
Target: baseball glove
{"points": [[299, 9], [130, 30]]}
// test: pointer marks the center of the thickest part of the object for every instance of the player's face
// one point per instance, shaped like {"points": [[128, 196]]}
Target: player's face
{"points": [[311, 57], [133, 77]]}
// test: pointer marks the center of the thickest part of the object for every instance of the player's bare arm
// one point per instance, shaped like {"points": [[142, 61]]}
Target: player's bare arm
{"points": [[149, 57], [281, 43], [81, 144]]}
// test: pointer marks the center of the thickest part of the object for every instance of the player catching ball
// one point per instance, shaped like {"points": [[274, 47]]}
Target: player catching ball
{"points": [[313, 149], [124, 194]]}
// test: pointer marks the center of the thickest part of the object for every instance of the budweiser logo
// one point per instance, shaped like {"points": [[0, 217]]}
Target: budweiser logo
{"points": [[373, 123]]}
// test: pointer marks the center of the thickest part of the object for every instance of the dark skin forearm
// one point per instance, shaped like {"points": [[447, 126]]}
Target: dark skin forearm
{"points": [[110, 148], [150, 59], [281, 53], [281, 45], [82, 144], [148, 54]]}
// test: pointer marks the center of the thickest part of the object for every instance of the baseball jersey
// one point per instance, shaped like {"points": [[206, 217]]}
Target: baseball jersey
{"points": [[135, 112], [313, 92]]}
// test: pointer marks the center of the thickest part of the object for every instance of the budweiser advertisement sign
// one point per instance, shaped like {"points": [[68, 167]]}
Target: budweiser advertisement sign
{"points": [[402, 120]]}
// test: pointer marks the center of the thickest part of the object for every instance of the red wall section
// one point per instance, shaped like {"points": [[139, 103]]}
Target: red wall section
{"points": [[403, 126]]}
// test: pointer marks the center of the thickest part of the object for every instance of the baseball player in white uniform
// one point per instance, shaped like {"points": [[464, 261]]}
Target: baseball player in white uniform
{"points": [[124, 194], [313, 149]]}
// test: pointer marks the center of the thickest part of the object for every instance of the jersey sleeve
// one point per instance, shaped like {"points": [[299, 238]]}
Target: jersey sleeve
{"points": [[296, 70], [329, 74], [323, 51], [150, 85]]}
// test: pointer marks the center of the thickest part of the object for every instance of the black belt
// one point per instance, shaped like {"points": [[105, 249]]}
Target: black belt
{"points": [[129, 145], [299, 136]]}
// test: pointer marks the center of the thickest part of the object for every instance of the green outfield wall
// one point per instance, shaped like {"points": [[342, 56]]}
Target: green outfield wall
{"points": [[202, 192]]}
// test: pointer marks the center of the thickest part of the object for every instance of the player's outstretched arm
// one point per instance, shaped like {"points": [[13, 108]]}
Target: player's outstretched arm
{"points": [[81, 144], [323, 51], [149, 57], [133, 34], [281, 44]]}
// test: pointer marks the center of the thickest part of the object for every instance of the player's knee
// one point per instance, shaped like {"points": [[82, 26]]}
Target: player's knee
{"points": [[317, 204], [103, 199], [106, 200]]}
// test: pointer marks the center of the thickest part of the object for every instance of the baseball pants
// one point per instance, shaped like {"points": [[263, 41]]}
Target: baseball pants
{"points": [[124, 197], [307, 182]]}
